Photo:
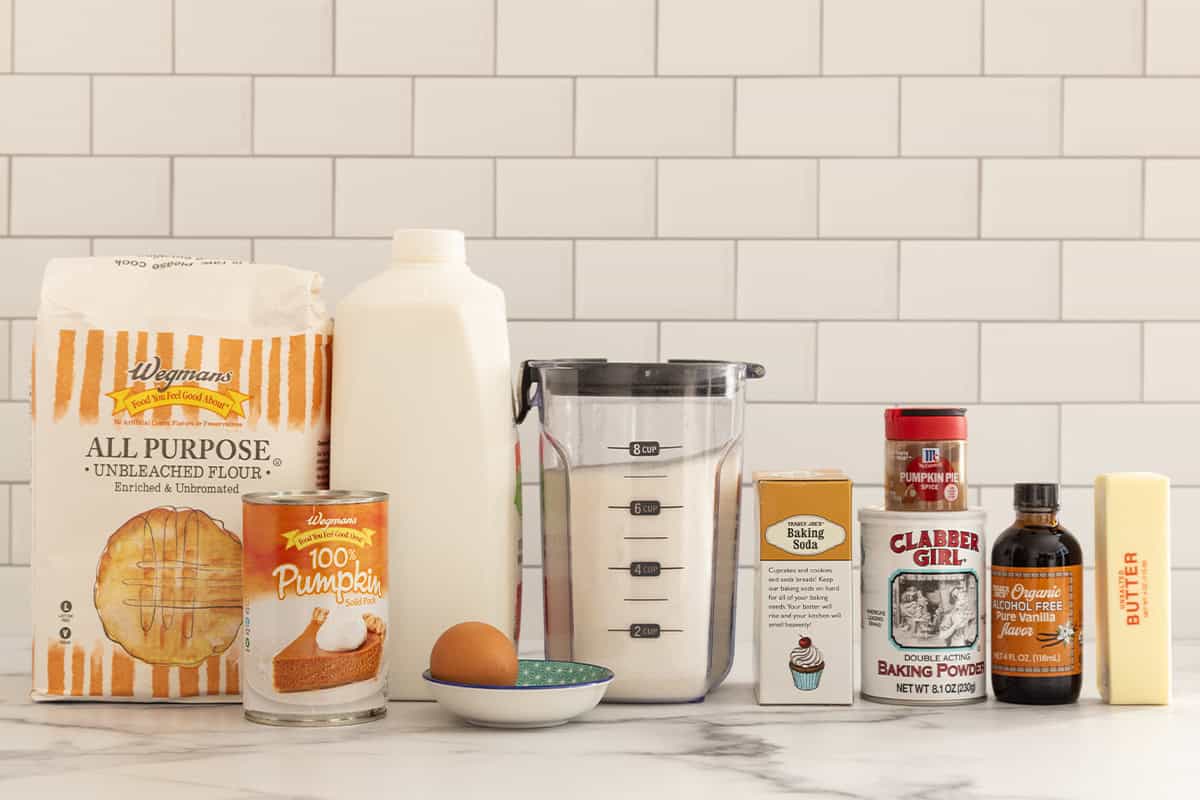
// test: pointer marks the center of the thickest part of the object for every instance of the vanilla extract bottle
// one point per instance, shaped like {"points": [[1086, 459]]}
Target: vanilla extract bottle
{"points": [[1037, 604]]}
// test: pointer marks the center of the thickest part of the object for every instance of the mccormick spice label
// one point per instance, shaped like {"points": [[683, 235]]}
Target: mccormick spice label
{"points": [[923, 623], [1037, 621]]}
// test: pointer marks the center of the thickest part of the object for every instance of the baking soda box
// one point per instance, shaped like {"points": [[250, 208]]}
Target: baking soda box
{"points": [[804, 613]]}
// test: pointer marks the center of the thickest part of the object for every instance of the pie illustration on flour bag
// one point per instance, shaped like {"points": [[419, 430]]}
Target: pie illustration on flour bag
{"points": [[164, 388]]}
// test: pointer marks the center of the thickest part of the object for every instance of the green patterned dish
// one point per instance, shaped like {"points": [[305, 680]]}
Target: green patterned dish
{"points": [[547, 693]]}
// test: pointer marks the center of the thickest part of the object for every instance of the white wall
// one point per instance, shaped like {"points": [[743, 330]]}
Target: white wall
{"points": [[884, 201]]}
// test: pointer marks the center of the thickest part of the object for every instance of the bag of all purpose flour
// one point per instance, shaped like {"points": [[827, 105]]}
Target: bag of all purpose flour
{"points": [[164, 389]]}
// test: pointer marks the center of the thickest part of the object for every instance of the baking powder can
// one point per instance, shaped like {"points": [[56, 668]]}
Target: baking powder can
{"points": [[314, 607], [923, 607]]}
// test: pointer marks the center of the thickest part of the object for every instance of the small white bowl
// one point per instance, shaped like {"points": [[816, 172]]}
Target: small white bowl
{"points": [[547, 693]]}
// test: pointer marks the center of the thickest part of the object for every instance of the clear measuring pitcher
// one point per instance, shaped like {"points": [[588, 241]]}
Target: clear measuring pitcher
{"points": [[641, 486]]}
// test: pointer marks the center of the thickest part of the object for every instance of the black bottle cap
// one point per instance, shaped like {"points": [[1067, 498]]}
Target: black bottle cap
{"points": [[1035, 496]]}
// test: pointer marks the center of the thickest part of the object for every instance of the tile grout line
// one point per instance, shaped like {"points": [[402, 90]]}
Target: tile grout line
{"points": [[333, 37], [495, 37], [821, 37], [983, 37], [979, 363], [1142, 357], [174, 37], [657, 32], [1145, 37]]}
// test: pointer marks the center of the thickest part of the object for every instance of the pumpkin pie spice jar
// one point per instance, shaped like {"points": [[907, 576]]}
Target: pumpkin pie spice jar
{"points": [[925, 467], [314, 582]]}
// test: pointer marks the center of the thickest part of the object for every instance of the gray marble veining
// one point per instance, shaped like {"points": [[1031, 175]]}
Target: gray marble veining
{"points": [[725, 747]]}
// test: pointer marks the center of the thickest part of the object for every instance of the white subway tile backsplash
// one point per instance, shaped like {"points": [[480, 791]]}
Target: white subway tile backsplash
{"points": [[654, 116], [1090, 362], [22, 523], [254, 36], [979, 280], [1131, 116], [344, 116], [880, 201], [6, 35], [163, 115], [1170, 352], [196, 248], [780, 436], [5, 190], [22, 262], [643, 279], [15, 594], [1129, 437], [1131, 280], [1067, 198], [818, 116], [899, 197], [1173, 28], [564, 197], [980, 117], [616, 341], [82, 196], [415, 37], [493, 116], [536, 276], [15, 429], [917, 37], [92, 36], [575, 37], [898, 362], [739, 37], [343, 263], [44, 114], [375, 196], [737, 198], [816, 280], [786, 349], [5, 527], [246, 197], [1097, 37], [20, 371], [992, 432], [1172, 188], [5, 366]]}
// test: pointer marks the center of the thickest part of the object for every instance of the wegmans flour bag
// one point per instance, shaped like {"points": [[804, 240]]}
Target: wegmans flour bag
{"points": [[164, 389]]}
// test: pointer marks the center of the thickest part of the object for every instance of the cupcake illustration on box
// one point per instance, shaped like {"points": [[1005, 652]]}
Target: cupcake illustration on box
{"points": [[807, 665]]}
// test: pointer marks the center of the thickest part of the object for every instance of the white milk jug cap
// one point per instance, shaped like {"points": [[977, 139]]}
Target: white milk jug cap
{"points": [[428, 245]]}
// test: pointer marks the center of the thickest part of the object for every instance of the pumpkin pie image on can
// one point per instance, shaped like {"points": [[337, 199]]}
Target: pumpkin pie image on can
{"points": [[315, 607], [807, 665]]}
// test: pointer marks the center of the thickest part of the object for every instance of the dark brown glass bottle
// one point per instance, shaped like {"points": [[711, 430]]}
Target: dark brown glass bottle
{"points": [[1037, 604]]}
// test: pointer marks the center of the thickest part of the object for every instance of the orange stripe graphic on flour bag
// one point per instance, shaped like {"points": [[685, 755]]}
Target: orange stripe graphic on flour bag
{"points": [[153, 420]]}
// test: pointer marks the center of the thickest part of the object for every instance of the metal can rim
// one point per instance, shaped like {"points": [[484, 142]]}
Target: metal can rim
{"points": [[308, 497]]}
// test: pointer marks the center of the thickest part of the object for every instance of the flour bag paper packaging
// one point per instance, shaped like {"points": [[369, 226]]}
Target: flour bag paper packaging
{"points": [[164, 389]]}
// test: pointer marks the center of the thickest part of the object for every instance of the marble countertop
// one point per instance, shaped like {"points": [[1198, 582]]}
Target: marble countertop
{"points": [[726, 747]]}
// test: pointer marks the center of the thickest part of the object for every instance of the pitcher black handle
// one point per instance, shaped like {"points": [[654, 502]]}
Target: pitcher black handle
{"points": [[530, 374]]}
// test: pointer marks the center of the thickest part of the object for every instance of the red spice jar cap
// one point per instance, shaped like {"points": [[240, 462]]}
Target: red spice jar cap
{"points": [[925, 424]]}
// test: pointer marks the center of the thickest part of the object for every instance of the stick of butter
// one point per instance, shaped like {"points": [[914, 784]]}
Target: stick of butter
{"points": [[1133, 588]]}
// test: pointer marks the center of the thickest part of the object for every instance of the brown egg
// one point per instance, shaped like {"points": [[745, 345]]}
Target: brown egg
{"points": [[474, 653]]}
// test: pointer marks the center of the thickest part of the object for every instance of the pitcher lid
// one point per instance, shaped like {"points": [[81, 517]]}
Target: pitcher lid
{"points": [[598, 377]]}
